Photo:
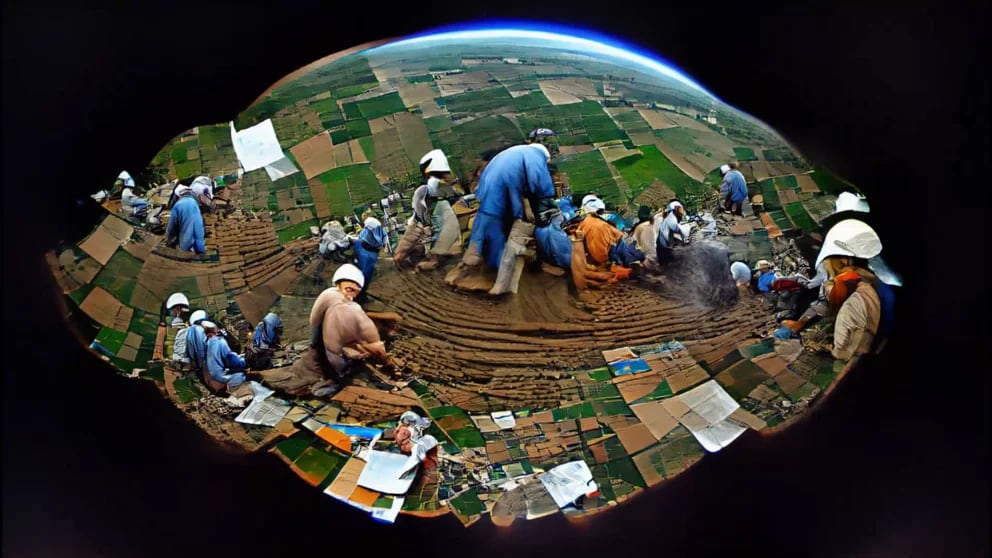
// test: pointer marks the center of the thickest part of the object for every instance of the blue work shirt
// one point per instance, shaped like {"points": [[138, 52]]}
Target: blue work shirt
{"points": [[374, 236], [221, 360], [669, 227], [265, 336], [186, 224], [196, 346], [765, 281], [516, 173], [734, 185]]}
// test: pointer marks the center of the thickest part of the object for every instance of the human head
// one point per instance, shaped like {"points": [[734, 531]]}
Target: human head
{"points": [[349, 280], [176, 304], [764, 265], [644, 213], [849, 201], [594, 205], [209, 327], [724, 169], [850, 237], [198, 316], [732, 165], [272, 320], [546, 137], [676, 207], [434, 163]]}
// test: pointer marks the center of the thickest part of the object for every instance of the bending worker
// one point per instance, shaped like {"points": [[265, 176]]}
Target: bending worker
{"points": [[370, 241], [264, 342], [225, 368], [514, 174], [196, 343], [604, 242], [733, 189], [341, 327], [185, 229], [424, 227], [669, 231]]}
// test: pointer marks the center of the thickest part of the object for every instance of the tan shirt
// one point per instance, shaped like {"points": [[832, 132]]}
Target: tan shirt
{"points": [[644, 237], [857, 323], [344, 324]]}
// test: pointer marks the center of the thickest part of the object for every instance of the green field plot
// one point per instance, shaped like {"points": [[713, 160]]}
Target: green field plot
{"points": [[112, 339], [292, 447], [778, 154], [741, 378], [468, 437], [599, 391], [641, 172], [744, 154], [424, 78], [299, 230], [786, 182], [624, 470], [351, 75], [769, 194], [340, 135], [438, 123], [483, 100], [464, 143], [358, 129], [582, 410], [319, 465], [349, 186], [599, 126], [612, 408], [679, 450], [186, 390], [468, 503], [780, 218], [681, 139], [797, 214], [631, 121], [120, 276], [829, 183], [368, 147], [600, 374], [217, 154], [376, 107], [291, 127], [588, 172], [445, 63], [531, 101], [565, 120]]}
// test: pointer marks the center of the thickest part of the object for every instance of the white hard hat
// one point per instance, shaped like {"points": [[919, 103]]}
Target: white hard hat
{"points": [[848, 201], [176, 299], [724, 169], [540, 146], [409, 417], [349, 272], [593, 205], [197, 316], [674, 204], [763, 263], [371, 223], [436, 161], [206, 324], [850, 237], [588, 197]]}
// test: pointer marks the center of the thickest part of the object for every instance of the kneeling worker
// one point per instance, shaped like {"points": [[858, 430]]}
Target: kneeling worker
{"points": [[225, 369]]}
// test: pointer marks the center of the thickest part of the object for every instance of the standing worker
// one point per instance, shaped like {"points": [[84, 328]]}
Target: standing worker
{"points": [[370, 241], [424, 227], [733, 188], [185, 229]]}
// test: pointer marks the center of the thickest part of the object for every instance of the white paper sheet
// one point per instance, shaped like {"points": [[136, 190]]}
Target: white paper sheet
{"points": [[267, 412], [710, 401], [382, 473], [256, 146], [504, 419], [567, 482], [389, 515], [281, 169], [718, 436]]}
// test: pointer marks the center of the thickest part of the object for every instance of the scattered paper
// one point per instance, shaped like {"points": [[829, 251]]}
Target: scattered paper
{"points": [[710, 406], [567, 482], [382, 473], [281, 169], [257, 146], [267, 412], [389, 515], [504, 419]]}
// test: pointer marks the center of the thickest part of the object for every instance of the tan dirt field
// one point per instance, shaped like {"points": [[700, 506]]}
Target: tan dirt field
{"points": [[315, 155], [680, 160], [416, 93], [657, 119], [557, 96]]}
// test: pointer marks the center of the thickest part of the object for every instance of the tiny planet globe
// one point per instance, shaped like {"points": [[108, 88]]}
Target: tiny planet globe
{"points": [[502, 273]]}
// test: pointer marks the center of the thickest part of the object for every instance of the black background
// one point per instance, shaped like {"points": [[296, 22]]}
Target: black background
{"points": [[895, 99]]}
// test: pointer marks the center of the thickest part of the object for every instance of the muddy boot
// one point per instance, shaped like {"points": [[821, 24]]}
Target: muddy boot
{"points": [[428, 265]]}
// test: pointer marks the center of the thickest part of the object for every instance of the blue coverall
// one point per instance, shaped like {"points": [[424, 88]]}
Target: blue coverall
{"points": [[223, 364], [374, 238], [513, 174], [186, 224], [196, 346]]}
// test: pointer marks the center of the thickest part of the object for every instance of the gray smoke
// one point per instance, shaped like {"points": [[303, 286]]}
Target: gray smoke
{"points": [[700, 272]]}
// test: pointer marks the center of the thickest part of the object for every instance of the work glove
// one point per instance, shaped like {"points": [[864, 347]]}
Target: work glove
{"points": [[783, 332]]}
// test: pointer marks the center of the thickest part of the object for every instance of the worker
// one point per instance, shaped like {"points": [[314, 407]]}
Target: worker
{"points": [[412, 441], [545, 137], [517, 173], [733, 189], [130, 202], [643, 236], [371, 239], [224, 368], [859, 313], [741, 274], [185, 229], [765, 276], [553, 246], [174, 310], [196, 343], [264, 342], [203, 190], [340, 326], [604, 242], [668, 232], [423, 227]]}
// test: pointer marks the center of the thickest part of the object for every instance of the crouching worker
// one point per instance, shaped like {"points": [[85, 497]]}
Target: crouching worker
{"points": [[859, 312], [412, 441], [263, 344], [225, 370]]}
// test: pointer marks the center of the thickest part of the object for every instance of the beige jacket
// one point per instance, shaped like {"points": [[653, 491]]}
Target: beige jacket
{"points": [[857, 323]]}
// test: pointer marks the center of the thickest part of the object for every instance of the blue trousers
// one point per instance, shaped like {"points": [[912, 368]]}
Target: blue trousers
{"points": [[554, 245], [366, 262], [625, 254], [489, 234]]}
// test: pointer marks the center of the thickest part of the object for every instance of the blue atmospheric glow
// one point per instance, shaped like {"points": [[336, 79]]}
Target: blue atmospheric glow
{"points": [[554, 35]]}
